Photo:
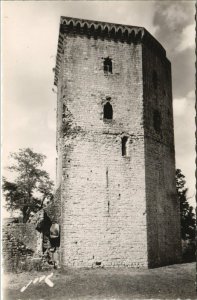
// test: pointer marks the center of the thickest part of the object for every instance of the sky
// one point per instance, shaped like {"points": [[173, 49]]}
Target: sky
{"points": [[29, 44]]}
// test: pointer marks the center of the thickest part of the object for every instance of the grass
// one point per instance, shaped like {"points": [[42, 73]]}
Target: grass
{"points": [[170, 282]]}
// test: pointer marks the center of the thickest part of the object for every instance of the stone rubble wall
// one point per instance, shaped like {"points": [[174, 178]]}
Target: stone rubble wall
{"points": [[21, 243]]}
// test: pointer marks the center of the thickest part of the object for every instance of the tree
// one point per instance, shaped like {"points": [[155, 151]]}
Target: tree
{"points": [[187, 214], [31, 186]]}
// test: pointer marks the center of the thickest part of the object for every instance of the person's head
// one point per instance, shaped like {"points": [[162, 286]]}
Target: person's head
{"points": [[54, 220], [46, 203], [31, 215]]}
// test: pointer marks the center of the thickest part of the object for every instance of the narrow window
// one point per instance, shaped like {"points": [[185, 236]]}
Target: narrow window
{"points": [[64, 113], [157, 121], [107, 65], [108, 111], [124, 146], [155, 80]]}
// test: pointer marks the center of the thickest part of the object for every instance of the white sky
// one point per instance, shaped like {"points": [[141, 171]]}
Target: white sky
{"points": [[29, 44]]}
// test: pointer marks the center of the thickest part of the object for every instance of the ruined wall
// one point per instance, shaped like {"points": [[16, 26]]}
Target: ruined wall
{"points": [[102, 192], [20, 244], [163, 219]]}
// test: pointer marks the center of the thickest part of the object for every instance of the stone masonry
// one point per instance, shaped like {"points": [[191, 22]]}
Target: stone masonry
{"points": [[21, 244], [115, 145]]}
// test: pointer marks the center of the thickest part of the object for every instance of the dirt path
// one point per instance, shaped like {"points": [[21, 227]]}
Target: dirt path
{"points": [[171, 282]]}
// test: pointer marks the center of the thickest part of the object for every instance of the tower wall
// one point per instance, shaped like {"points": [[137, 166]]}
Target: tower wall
{"points": [[102, 192], [163, 215], [117, 209]]}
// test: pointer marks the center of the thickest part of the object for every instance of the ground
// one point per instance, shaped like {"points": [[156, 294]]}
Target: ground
{"points": [[170, 282]]}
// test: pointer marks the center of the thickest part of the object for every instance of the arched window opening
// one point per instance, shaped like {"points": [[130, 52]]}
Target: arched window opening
{"points": [[108, 111], [124, 146], [155, 79], [107, 65], [157, 121]]}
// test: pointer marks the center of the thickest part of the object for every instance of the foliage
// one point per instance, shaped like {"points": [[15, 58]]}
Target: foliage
{"points": [[31, 186], [187, 214], [187, 220]]}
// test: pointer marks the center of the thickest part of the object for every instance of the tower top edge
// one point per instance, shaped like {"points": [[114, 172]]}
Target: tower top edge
{"points": [[93, 22], [106, 30]]}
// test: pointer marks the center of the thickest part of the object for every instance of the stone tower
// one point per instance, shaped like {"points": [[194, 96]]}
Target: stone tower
{"points": [[115, 145]]}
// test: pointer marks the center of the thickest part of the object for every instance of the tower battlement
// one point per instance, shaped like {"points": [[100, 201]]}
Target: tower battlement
{"points": [[104, 30]]}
